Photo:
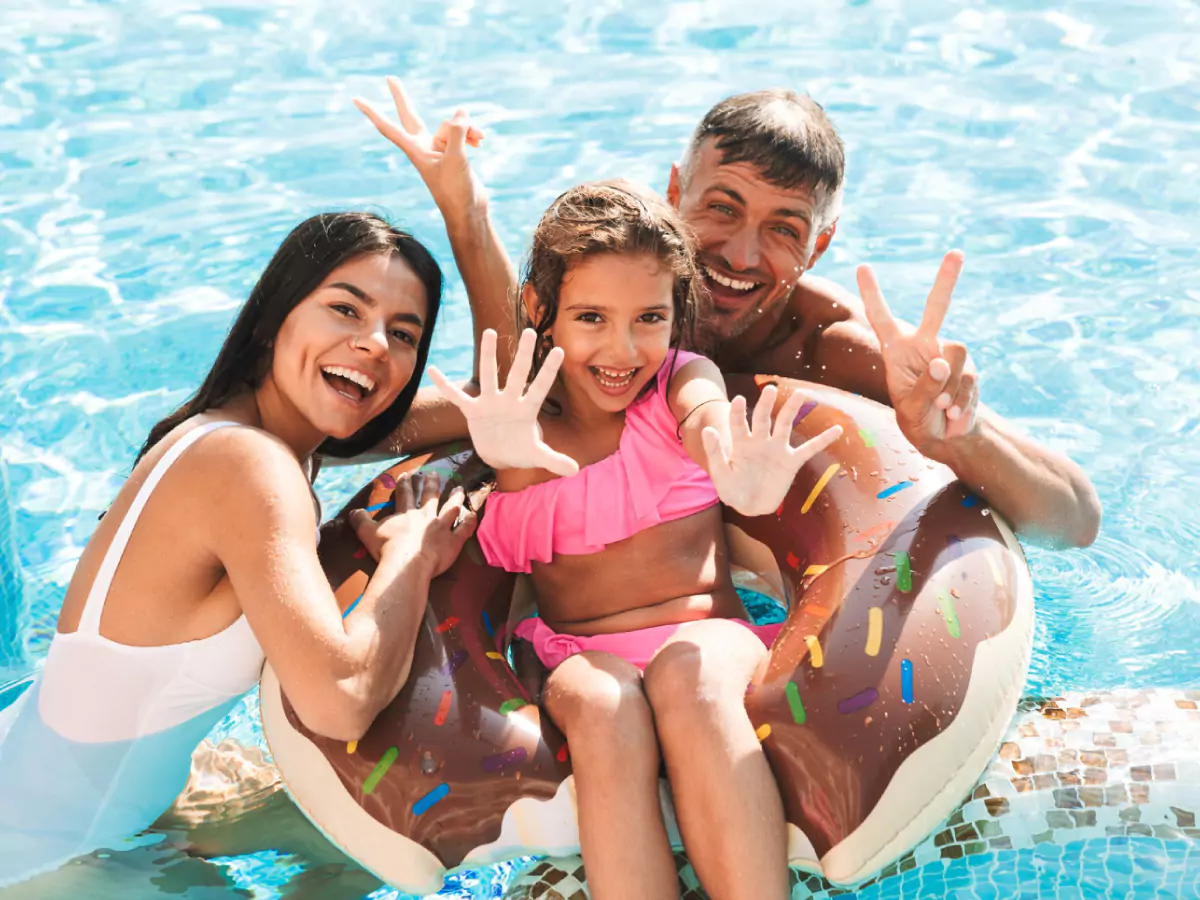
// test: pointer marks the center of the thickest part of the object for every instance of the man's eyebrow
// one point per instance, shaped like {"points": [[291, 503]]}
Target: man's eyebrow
{"points": [[410, 318], [786, 212]]}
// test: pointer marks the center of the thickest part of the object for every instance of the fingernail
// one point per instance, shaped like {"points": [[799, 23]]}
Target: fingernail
{"points": [[953, 413]]}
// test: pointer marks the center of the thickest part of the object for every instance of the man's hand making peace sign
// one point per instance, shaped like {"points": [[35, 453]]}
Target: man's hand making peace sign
{"points": [[932, 382]]}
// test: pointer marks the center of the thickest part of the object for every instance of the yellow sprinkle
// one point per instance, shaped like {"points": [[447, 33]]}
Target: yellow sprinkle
{"points": [[492, 654], [814, 570], [352, 746], [874, 630], [763, 732], [819, 486], [814, 650], [996, 573]]}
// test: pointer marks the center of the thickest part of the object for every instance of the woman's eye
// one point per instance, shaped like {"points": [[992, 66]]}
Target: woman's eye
{"points": [[344, 309], [404, 337]]}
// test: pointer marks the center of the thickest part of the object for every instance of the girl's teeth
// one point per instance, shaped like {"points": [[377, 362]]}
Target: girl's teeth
{"points": [[613, 379]]}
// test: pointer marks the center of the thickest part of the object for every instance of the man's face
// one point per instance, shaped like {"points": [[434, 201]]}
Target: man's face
{"points": [[754, 239]]}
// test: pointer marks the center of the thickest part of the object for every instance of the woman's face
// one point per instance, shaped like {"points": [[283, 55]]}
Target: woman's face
{"points": [[614, 325], [346, 351]]}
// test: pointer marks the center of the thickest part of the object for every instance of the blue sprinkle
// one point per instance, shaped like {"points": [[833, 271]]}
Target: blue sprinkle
{"points": [[431, 798], [894, 489], [970, 501], [456, 659], [377, 506], [487, 623], [906, 680], [350, 608]]}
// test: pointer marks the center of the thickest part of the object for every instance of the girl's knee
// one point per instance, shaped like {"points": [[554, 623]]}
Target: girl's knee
{"points": [[707, 666], [596, 692]]}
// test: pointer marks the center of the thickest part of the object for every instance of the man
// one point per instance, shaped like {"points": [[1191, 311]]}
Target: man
{"points": [[761, 185]]}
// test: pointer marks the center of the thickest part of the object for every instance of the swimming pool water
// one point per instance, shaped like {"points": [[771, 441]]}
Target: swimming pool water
{"points": [[153, 154]]}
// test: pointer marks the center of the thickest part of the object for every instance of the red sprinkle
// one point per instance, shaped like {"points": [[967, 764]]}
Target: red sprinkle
{"points": [[444, 708], [447, 625], [793, 560], [562, 753], [360, 553]]}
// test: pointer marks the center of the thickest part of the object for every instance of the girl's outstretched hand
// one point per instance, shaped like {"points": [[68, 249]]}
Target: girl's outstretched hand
{"points": [[440, 157], [755, 470], [504, 423]]}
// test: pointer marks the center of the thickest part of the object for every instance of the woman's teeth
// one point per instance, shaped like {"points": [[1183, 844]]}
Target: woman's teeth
{"points": [[613, 378], [732, 283], [364, 381]]}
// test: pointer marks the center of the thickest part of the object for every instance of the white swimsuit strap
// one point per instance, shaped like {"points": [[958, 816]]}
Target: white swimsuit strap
{"points": [[93, 607]]}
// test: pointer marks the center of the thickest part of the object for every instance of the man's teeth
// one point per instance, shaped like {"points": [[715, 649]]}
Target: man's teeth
{"points": [[614, 378], [730, 282], [363, 381]]}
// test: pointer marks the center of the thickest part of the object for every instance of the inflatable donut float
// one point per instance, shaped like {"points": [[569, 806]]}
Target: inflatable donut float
{"points": [[1118, 767], [886, 694]]}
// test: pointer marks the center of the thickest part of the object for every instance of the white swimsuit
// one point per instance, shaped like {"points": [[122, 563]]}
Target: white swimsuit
{"points": [[101, 744]]}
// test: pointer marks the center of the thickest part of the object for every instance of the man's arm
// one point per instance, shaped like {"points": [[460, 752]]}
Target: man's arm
{"points": [[1043, 494]]}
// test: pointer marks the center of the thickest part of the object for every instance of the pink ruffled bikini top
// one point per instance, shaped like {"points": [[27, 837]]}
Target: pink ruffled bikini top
{"points": [[650, 479]]}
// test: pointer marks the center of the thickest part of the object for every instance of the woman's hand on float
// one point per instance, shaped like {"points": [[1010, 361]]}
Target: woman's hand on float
{"points": [[504, 422], [440, 157], [417, 530], [933, 384], [754, 465]]}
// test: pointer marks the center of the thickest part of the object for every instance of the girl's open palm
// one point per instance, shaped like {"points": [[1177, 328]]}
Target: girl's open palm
{"points": [[754, 468], [504, 422]]}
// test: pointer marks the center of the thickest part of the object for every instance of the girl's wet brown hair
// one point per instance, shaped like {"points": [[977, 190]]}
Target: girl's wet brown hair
{"points": [[599, 217]]}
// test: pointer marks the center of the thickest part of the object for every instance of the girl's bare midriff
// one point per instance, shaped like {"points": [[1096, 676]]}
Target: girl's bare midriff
{"points": [[674, 572]]}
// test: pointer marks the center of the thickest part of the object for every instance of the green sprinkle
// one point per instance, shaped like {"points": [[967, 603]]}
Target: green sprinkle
{"points": [[868, 437], [903, 573], [509, 705], [799, 716], [946, 602], [380, 770]]}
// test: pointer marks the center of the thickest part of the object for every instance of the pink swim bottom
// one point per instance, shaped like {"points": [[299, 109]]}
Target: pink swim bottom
{"points": [[637, 647]]}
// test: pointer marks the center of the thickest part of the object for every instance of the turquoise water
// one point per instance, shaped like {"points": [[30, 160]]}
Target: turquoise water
{"points": [[153, 154]]}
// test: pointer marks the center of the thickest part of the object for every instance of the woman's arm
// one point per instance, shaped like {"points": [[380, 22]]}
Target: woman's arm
{"points": [[338, 673]]}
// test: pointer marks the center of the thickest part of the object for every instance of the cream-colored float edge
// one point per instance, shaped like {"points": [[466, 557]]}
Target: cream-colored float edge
{"points": [[533, 827], [321, 796], [996, 684]]}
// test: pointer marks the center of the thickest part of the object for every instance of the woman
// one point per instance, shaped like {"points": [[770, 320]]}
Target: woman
{"points": [[164, 626]]}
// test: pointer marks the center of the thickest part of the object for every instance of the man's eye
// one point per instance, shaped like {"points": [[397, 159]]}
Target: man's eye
{"points": [[787, 232], [722, 208]]}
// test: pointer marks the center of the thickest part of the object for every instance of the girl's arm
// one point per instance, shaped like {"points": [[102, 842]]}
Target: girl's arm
{"points": [[338, 673], [752, 465], [431, 420]]}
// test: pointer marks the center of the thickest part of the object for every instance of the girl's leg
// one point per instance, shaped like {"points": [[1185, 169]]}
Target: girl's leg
{"points": [[596, 700], [726, 800]]}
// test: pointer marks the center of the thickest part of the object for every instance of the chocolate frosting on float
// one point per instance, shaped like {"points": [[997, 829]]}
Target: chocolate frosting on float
{"points": [[883, 500], [897, 575], [462, 741]]}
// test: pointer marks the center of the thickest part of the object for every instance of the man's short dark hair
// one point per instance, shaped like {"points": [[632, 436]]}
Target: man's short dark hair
{"points": [[785, 135]]}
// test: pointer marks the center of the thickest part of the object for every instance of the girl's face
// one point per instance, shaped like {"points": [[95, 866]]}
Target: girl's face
{"points": [[346, 351], [614, 323]]}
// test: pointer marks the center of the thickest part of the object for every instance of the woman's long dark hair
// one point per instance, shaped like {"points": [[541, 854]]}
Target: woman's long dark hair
{"points": [[315, 248]]}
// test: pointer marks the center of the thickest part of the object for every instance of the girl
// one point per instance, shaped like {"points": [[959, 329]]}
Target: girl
{"points": [[206, 562], [610, 469]]}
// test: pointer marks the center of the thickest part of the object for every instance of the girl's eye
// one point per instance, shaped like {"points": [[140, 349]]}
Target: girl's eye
{"points": [[590, 317], [653, 318]]}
